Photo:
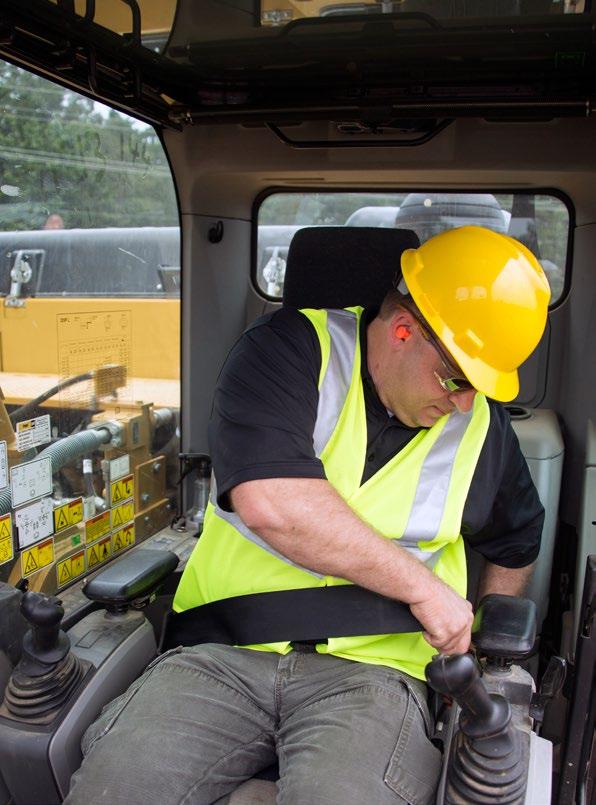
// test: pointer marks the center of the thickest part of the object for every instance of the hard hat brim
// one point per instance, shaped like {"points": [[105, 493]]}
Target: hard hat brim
{"points": [[500, 386], [496, 384]]}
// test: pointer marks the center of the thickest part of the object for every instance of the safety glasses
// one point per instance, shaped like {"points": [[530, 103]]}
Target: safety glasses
{"points": [[455, 381]]}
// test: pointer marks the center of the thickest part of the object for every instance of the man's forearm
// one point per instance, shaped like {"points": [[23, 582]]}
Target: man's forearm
{"points": [[308, 522], [504, 580]]}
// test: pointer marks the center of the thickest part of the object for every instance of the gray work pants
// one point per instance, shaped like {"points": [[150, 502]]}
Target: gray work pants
{"points": [[202, 720]]}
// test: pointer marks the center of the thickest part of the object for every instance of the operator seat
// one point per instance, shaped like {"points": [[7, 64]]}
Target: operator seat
{"points": [[338, 266]]}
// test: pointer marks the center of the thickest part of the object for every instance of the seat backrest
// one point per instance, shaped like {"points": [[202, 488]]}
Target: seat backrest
{"points": [[341, 266]]}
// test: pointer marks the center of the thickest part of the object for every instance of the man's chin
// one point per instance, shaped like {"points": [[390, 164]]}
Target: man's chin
{"points": [[429, 416]]}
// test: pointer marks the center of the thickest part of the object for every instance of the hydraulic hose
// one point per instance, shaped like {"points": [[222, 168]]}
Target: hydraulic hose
{"points": [[63, 452], [29, 407]]}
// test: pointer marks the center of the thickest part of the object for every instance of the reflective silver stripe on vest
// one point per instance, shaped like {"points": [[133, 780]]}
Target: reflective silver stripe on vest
{"points": [[430, 558], [430, 499], [342, 326], [235, 521]]}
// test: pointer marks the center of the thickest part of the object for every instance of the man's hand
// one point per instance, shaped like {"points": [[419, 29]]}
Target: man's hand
{"points": [[447, 618]]}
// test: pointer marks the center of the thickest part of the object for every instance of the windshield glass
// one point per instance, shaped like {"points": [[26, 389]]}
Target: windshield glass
{"points": [[89, 333]]}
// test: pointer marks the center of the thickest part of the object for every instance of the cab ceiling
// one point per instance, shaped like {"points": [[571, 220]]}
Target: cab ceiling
{"points": [[387, 77]]}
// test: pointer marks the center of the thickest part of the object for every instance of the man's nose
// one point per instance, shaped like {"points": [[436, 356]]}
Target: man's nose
{"points": [[463, 400]]}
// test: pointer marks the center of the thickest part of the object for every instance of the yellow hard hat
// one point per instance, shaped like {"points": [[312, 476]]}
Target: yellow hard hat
{"points": [[486, 297]]}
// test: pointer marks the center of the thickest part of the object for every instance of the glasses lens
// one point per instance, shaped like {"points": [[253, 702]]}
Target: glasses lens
{"points": [[456, 384]]}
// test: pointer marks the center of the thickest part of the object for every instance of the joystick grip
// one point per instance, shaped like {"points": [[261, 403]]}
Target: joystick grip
{"points": [[44, 614], [458, 676]]}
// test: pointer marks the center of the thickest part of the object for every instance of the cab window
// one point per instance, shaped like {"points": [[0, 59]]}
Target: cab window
{"points": [[540, 221], [89, 329]]}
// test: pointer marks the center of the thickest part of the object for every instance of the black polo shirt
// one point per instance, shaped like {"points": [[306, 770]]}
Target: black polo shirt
{"points": [[263, 418]]}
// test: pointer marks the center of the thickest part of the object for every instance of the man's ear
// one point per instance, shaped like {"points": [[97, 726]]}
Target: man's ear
{"points": [[400, 329]]}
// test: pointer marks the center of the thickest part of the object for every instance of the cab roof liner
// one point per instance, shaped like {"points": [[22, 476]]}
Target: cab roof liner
{"points": [[366, 68]]}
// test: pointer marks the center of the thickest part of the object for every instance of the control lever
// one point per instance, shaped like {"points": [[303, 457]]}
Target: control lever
{"points": [[47, 672], [45, 643], [457, 675], [551, 684], [488, 754]]}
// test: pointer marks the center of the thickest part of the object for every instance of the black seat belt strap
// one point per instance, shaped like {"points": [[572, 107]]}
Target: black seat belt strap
{"points": [[289, 615]]}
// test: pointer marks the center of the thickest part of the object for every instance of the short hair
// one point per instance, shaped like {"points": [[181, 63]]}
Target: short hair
{"points": [[395, 300]]}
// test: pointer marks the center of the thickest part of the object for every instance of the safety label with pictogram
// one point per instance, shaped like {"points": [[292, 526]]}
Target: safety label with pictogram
{"points": [[37, 557], [123, 513], [30, 480], [99, 552], [34, 522], [70, 569], [68, 514], [33, 432], [123, 538], [98, 526], [6, 546], [122, 489]]}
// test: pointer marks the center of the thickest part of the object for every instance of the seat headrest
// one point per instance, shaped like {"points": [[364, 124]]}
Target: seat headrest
{"points": [[341, 266]]}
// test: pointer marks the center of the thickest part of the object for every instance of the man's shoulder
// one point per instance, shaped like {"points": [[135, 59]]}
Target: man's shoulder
{"points": [[284, 319], [501, 439], [499, 415]]}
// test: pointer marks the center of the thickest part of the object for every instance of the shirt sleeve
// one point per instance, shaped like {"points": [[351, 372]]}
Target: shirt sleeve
{"points": [[505, 526], [265, 405]]}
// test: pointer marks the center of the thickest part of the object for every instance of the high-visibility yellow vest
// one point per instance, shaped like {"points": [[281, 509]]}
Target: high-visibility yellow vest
{"points": [[417, 499]]}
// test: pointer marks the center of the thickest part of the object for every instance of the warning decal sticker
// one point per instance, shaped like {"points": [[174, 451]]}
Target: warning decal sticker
{"points": [[37, 557], [123, 538], [97, 526], [122, 489], [34, 522], [98, 553], [68, 514], [33, 432], [70, 569], [30, 480], [123, 513], [6, 547]]}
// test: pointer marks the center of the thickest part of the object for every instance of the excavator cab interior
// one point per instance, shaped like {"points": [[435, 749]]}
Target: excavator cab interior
{"points": [[171, 171]]}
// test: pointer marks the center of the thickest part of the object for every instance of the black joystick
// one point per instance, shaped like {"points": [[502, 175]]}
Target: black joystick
{"points": [[44, 644], [47, 672], [489, 756]]}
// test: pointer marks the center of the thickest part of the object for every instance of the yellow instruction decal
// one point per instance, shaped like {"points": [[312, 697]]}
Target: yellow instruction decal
{"points": [[97, 526], [122, 489], [68, 514], [70, 569], [6, 547], [99, 552], [37, 557], [123, 513], [123, 538]]}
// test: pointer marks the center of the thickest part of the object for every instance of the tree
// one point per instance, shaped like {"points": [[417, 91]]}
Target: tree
{"points": [[62, 153]]}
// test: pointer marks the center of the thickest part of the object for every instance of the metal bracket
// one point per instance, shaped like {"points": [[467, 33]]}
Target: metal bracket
{"points": [[26, 270]]}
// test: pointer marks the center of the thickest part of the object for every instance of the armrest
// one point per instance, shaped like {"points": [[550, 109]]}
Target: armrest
{"points": [[504, 627], [135, 576]]}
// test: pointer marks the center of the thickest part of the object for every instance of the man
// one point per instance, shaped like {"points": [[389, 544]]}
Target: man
{"points": [[348, 446]]}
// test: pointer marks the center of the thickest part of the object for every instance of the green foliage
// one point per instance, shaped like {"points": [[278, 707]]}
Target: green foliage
{"points": [[63, 154]]}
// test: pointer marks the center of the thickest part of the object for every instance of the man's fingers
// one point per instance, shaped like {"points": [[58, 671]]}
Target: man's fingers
{"points": [[450, 644]]}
